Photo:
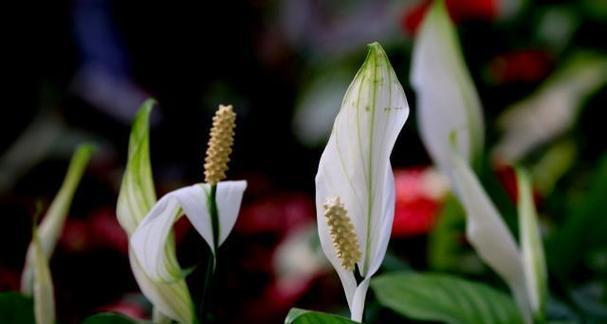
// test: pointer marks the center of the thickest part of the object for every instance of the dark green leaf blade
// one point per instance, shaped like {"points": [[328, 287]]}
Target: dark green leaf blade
{"points": [[109, 318], [444, 298], [302, 316], [16, 309]]}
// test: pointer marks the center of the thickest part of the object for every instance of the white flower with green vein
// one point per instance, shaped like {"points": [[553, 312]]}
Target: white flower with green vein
{"points": [[136, 198], [211, 207], [355, 183], [447, 100], [451, 127]]}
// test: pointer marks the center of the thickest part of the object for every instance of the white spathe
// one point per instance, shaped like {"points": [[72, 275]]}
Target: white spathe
{"points": [[487, 232], [447, 100], [149, 240], [355, 166], [171, 301]]}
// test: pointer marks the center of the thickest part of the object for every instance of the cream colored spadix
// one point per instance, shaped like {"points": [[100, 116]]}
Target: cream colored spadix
{"points": [[345, 240], [355, 166], [148, 242]]}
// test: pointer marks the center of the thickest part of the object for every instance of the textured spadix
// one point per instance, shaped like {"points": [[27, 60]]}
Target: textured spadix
{"points": [[149, 241], [220, 145], [343, 235], [355, 166]]}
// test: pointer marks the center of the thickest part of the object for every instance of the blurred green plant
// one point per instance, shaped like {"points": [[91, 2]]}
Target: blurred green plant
{"points": [[444, 298]]}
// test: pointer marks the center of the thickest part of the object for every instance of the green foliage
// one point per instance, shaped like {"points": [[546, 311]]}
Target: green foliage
{"points": [[109, 318], [445, 250], [584, 229], [302, 316], [16, 309], [445, 298]]}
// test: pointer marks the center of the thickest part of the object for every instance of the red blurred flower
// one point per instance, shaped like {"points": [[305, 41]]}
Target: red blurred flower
{"points": [[128, 307], [419, 195], [75, 236], [10, 279], [277, 214], [507, 176], [459, 10], [520, 66], [102, 230], [106, 231]]}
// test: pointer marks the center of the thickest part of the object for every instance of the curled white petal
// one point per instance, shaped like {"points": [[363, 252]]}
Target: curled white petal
{"points": [[171, 299], [136, 198], [487, 232], [229, 198], [149, 240]]}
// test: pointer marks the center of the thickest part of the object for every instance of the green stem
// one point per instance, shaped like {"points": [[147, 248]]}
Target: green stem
{"points": [[211, 261], [214, 216]]}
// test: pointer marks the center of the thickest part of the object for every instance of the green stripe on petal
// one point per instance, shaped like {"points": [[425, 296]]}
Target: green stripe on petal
{"points": [[532, 250], [137, 194], [54, 220], [136, 198]]}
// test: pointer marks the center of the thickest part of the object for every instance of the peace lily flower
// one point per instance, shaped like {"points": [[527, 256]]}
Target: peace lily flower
{"points": [[136, 198], [211, 207], [36, 279], [445, 92], [355, 183], [451, 127]]}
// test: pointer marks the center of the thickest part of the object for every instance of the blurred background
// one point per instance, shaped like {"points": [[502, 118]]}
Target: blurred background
{"points": [[78, 71]]}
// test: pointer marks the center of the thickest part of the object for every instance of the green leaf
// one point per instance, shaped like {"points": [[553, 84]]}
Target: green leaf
{"points": [[584, 228], [109, 318], [445, 248], [444, 298], [16, 309], [302, 316]]}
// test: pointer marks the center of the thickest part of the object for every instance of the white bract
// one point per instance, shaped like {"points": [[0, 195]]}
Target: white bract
{"points": [[36, 278], [446, 95], [54, 220], [451, 127], [136, 198], [355, 166], [149, 224], [148, 241]]}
